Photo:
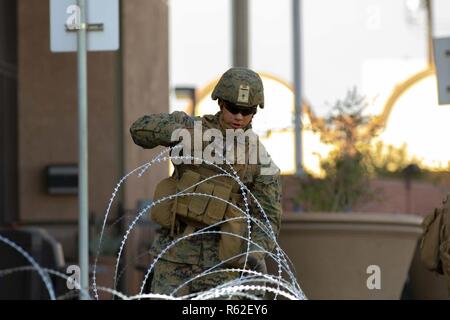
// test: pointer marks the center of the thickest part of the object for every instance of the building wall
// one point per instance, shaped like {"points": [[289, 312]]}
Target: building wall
{"points": [[122, 86], [145, 83], [145, 90], [389, 195], [8, 111], [48, 119]]}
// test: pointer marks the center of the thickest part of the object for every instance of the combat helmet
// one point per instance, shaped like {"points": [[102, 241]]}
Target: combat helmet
{"points": [[240, 86]]}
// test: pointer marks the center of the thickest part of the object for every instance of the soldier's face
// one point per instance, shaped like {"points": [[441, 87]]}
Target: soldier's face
{"points": [[236, 121]]}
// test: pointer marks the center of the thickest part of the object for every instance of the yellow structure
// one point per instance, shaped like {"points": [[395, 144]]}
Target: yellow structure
{"points": [[413, 117]]}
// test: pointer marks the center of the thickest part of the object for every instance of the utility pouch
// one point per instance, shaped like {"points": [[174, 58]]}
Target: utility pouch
{"points": [[232, 242], [216, 208], [162, 212], [198, 203], [187, 180], [201, 210]]}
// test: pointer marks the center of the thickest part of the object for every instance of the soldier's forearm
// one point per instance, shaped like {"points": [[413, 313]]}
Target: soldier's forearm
{"points": [[156, 130]]}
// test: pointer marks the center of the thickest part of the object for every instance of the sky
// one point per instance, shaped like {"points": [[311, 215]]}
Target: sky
{"points": [[370, 44]]}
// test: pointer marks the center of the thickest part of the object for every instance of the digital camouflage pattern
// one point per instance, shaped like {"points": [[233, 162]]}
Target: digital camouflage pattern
{"points": [[168, 276], [202, 250], [240, 86]]}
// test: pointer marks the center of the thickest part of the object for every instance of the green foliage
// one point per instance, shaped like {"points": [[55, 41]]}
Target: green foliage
{"points": [[345, 183], [355, 159], [346, 127], [346, 169], [388, 161]]}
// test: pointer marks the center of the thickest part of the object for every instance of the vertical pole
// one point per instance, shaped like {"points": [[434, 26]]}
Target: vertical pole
{"points": [[239, 24], [83, 223], [122, 227], [429, 9], [296, 19]]}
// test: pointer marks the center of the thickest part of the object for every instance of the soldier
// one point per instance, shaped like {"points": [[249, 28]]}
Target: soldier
{"points": [[435, 242], [239, 92]]}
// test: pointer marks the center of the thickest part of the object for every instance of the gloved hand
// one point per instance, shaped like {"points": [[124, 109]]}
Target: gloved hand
{"points": [[256, 263]]}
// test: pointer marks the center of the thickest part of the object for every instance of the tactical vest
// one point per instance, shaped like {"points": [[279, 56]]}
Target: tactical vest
{"points": [[184, 215]]}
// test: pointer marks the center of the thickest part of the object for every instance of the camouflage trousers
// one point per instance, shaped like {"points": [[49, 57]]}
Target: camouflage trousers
{"points": [[177, 279]]}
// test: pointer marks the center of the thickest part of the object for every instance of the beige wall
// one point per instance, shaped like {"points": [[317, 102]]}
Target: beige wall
{"points": [[122, 86], [145, 91], [48, 129], [48, 108], [145, 84]]}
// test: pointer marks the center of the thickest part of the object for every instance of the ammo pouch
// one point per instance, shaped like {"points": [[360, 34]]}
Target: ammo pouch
{"points": [[162, 212], [199, 211]]}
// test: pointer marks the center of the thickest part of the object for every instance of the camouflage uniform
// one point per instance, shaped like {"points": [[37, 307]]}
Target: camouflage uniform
{"points": [[195, 254], [435, 242]]}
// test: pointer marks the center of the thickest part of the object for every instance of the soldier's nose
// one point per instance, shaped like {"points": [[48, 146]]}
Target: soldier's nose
{"points": [[239, 116]]}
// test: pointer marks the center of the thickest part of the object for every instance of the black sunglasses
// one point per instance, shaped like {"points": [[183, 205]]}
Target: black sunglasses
{"points": [[234, 109]]}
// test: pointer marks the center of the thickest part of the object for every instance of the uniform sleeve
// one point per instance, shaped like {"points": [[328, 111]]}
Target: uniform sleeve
{"points": [[155, 130], [267, 189]]}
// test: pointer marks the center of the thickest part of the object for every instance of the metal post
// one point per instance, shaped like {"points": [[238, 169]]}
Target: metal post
{"points": [[296, 18], [83, 224], [240, 32], [429, 9]]}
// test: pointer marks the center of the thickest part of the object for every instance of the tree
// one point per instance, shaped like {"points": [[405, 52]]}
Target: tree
{"points": [[346, 169]]}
